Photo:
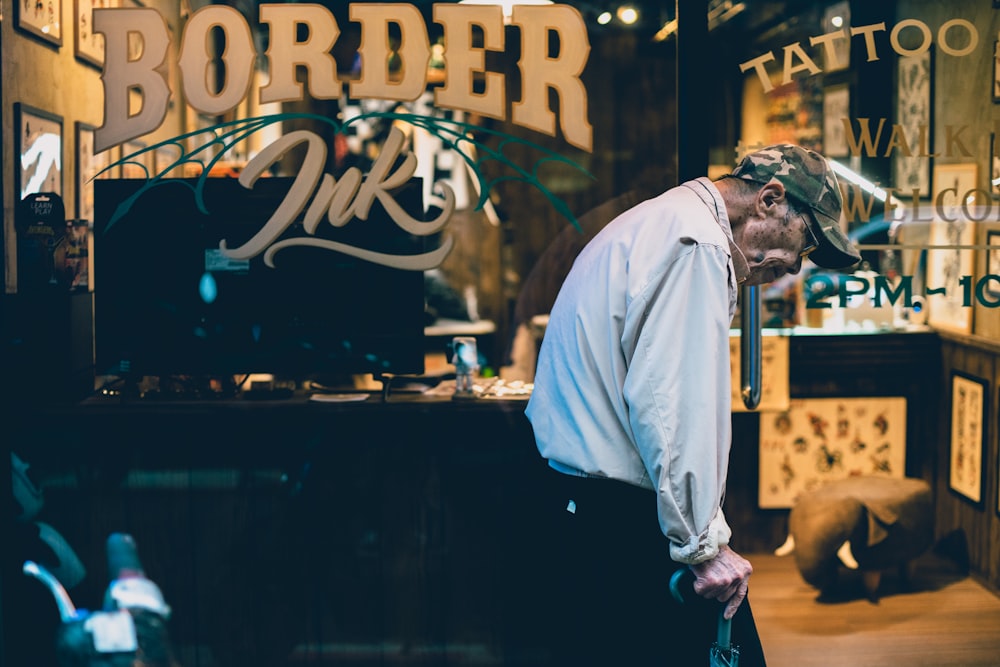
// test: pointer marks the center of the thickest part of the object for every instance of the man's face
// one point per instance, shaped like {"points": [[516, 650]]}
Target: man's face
{"points": [[775, 243]]}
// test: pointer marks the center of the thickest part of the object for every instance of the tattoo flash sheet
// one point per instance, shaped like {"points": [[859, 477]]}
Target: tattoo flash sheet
{"points": [[822, 439]]}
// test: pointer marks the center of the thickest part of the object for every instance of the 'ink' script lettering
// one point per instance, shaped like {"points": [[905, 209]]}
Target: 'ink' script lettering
{"points": [[350, 197]]}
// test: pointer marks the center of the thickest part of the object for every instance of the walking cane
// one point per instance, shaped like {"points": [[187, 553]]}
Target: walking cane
{"points": [[722, 653]]}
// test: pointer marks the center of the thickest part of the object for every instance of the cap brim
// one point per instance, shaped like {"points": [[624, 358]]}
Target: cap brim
{"points": [[835, 250]]}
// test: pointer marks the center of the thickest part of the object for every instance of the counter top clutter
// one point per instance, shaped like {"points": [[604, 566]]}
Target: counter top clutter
{"points": [[488, 388], [446, 327], [396, 389], [411, 492]]}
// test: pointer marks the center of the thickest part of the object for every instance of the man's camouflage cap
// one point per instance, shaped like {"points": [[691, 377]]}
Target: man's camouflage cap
{"points": [[808, 178]]}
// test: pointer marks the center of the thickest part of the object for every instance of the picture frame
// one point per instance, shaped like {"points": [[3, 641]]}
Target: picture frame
{"points": [[38, 146], [950, 252], [996, 71], [824, 439], [969, 400], [88, 46], [90, 167], [836, 107], [992, 262], [914, 110], [42, 19], [994, 167]]}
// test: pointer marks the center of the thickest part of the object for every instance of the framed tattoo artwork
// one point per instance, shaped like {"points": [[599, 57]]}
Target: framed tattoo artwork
{"points": [[968, 437], [950, 254], [90, 167], [40, 18], [994, 167], [38, 146], [836, 107], [992, 262], [824, 439], [913, 113], [88, 46], [996, 71]]}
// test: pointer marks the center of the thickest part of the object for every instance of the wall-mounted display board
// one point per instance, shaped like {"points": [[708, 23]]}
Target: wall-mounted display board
{"points": [[824, 439], [40, 18], [950, 258], [913, 114], [968, 437], [88, 46], [38, 148], [90, 167]]}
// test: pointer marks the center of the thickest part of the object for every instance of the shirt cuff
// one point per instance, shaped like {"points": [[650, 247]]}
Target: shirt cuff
{"points": [[700, 548]]}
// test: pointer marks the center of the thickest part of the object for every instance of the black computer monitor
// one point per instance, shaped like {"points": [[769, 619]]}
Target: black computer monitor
{"points": [[168, 302]]}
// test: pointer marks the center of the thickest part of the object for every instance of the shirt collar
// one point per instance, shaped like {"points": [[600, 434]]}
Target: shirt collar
{"points": [[710, 195]]}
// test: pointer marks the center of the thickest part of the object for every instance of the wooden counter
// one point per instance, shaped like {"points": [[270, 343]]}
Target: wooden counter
{"points": [[370, 532]]}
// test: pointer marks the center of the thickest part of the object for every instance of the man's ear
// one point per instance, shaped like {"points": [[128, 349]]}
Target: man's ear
{"points": [[769, 196]]}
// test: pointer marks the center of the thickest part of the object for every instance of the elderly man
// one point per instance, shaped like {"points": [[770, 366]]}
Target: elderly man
{"points": [[631, 406]]}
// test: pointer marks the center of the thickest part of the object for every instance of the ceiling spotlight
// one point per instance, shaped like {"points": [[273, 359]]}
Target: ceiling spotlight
{"points": [[628, 14], [604, 18], [663, 34], [837, 21]]}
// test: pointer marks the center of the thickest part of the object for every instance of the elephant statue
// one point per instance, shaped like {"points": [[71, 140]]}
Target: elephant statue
{"points": [[866, 523]]}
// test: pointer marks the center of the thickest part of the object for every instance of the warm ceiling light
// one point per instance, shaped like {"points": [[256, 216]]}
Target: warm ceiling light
{"points": [[837, 21], [628, 14], [604, 18], [669, 28]]}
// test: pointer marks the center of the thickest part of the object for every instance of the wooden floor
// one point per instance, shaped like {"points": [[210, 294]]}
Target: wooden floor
{"points": [[942, 619]]}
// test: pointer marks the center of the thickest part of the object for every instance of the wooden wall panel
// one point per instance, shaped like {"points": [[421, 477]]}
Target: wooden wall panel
{"points": [[968, 527]]}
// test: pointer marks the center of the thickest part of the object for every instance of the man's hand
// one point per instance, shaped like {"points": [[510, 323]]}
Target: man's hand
{"points": [[725, 578]]}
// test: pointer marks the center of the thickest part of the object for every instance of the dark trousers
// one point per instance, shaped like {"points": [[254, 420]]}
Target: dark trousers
{"points": [[609, 570]]}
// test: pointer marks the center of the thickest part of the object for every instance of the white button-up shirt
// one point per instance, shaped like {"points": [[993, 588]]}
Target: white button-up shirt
{"points": [[633, 376]]}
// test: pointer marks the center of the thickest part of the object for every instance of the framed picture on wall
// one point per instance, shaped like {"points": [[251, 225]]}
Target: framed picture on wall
{"points": [[41, 18], [90, 167], [996, 70], [994, 166], [38, 145], [88, 46], [950, 255], [836, 107], [993, 261], [913, 113], [968, 437], [824, 439]]}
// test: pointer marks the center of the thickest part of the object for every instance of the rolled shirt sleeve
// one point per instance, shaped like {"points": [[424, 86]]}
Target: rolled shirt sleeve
{"points": [[677, 389]]}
